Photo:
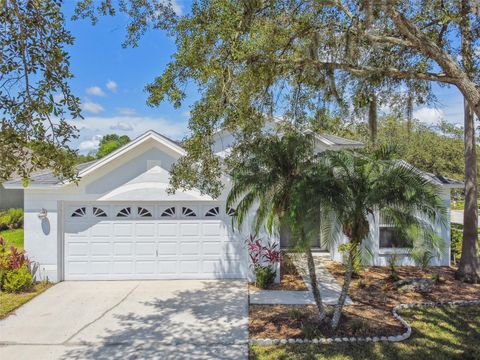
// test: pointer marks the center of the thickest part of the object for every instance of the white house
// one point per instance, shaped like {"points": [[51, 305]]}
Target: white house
{"points": [[119, 222]]}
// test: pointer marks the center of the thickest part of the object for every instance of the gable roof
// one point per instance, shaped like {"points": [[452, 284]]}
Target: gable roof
{"points": [[48, 179]]}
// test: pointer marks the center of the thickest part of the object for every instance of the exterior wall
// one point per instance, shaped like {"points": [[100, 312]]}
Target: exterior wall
{"points": [[10, 198], [380, 257]]}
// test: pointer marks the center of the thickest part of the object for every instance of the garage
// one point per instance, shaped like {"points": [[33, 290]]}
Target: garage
{"points": [[123, 241]]}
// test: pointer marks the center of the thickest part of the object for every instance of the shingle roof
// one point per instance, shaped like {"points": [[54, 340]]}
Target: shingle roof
{"points": [[337, 140], [46, 177]]}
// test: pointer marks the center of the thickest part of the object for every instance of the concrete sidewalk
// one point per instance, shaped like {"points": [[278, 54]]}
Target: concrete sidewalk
{"points": [[330, 289]]}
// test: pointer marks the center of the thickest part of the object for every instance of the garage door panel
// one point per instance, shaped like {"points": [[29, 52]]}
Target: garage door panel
{"points": [[123, 229], [101, 230], [167, 229], [145, 248], [77, 249], [189, 266], [189, 248], [145, 229], [169, 244], [189, 229], [101, 248], [145, 267], [123, 267], [100, 267], [167, 248], [123, 248], [215, 229]]}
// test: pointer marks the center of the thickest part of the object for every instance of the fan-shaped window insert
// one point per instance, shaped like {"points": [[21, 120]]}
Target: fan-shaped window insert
{"points": [[187, 212], [125, 212], [80, 212], [142, 212], [97, 212], [214, 211], [169, 212], [231, 212]]}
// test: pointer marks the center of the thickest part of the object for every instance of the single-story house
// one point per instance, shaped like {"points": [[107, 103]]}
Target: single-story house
{"points": [[119, 221]]}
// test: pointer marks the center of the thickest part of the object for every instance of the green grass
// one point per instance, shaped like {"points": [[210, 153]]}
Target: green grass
{"points": [[13, 237], [438, 333], [9, 301]]}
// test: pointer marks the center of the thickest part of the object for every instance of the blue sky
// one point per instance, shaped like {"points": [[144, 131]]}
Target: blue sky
{"points": [[110, 81]]}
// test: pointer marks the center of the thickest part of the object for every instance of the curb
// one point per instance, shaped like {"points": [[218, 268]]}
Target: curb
{"points": [[401, 337]]}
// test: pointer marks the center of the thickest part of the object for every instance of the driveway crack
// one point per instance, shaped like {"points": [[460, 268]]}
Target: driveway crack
{"points": [[101, 315]]}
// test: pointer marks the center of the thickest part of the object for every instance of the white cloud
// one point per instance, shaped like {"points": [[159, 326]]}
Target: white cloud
{"points": [[112, 85], [177, 7], [428, 115], [89, 145], [95, 90], [126, 111], [122, 126], [133, 126], [92, 107]]}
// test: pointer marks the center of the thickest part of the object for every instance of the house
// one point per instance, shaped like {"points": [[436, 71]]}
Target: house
{"points": [[10, 198], [120, 222]]}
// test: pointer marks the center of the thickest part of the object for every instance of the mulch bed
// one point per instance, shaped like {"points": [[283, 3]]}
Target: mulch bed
{"points": [[374, 296], [290, 279]]}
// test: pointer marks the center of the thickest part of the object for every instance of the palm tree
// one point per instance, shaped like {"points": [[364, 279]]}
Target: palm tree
{"points": [[265, 177], [352, 188]]}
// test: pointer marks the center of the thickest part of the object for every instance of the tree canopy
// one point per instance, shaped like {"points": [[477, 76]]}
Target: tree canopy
{"points": [[109, 143]]}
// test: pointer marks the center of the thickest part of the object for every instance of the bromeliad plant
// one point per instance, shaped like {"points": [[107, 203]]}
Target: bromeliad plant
{"points": [[16, 269], [264, 258]]}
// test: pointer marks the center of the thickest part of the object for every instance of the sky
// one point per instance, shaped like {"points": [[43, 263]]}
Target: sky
{"points": [[110, 82]]}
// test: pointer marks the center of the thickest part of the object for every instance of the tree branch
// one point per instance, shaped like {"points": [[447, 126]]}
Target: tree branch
{"points": [[364, 70]]}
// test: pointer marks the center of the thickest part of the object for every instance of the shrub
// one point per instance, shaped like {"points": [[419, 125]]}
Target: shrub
{"points": [[11, 219], [13, 259], [17, 280], [264, 276], [296, 314], [358, 327], [392, 266], [310, 331]]}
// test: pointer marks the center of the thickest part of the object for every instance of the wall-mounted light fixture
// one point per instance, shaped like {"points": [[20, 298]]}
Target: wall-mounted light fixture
{"points": [[43, 214]]}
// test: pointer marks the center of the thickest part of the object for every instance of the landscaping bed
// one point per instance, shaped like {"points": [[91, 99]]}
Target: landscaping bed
{"points": [[374, 296], [290, 279], [447, 332]]}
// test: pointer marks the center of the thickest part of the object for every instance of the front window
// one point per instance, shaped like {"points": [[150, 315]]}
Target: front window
{"points": [[391, 237]]}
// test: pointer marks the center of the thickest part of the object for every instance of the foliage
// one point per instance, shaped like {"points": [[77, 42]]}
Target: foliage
{"points": [[110, 143], [359, 327], [456, 232], [35, 95], [264, 276], [11, 219], [12, 263], [298, 59], [17, 280], [392, 266], [13, 237]]}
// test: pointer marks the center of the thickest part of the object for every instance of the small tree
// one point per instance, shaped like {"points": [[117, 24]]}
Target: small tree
{"points": [[265, 177], [352, 188]]}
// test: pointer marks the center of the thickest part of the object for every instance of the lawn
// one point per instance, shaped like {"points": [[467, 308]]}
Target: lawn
{"points": [[13, 237], [9, 302], [438, 333]]}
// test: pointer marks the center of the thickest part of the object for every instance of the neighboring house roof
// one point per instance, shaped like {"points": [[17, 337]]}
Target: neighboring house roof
{"points": [[333, 141]]}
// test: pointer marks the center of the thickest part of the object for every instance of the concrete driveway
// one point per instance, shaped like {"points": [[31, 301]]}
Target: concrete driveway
{"points": [[131, 320]]}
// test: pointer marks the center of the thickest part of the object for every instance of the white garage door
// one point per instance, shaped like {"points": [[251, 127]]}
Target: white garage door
{"points": [[106, 241]]}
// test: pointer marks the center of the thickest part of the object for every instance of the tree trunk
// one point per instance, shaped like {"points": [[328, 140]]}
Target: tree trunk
{"points": [[372, 118], [469, 265], [337, 313], [409, 114], [313, 280]]}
